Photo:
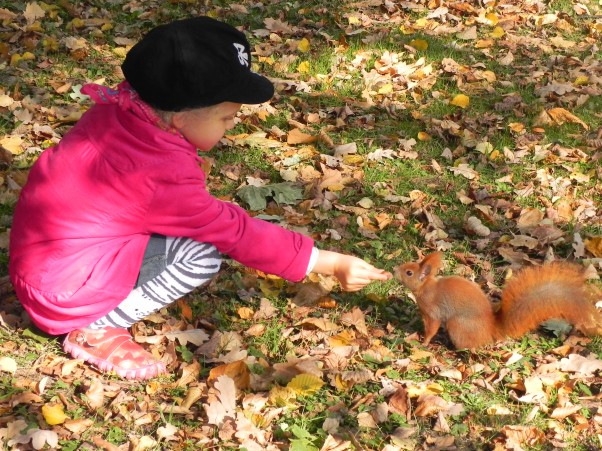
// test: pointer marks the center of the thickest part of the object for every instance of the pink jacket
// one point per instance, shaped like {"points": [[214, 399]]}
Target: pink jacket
{"points": [[84, 218]]}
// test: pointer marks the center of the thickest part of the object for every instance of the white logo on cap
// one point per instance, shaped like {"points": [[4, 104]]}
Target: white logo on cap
{"points": [[243, 56]]}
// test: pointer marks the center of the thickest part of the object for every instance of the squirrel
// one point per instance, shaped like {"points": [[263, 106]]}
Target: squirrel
{"points": [[534, 295]]}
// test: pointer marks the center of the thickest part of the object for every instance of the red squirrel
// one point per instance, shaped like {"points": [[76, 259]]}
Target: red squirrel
{"points": [[532, 296]]}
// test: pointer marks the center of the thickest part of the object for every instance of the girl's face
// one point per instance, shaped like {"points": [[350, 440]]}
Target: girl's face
{"points": [[204, 127]]}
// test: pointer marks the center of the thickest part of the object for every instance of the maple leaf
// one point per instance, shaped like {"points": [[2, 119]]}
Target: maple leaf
{"points": [[194, 336]]}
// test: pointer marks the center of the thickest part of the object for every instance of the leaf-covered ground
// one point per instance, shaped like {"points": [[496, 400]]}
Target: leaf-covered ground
{"points": [[398, 127]]}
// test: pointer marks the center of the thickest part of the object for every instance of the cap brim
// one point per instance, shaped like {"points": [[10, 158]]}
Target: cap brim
{"points": [[253, 89]]}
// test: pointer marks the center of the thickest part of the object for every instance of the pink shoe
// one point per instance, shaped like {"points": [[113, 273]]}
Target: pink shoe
{"points": [[113, 349]]}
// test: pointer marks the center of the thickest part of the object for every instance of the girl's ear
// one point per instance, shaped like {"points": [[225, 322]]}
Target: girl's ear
{"points": [[178, 119]]}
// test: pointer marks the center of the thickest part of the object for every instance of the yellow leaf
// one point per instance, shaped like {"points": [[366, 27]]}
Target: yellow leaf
{"points": [[282, 396], [54, 414], [303, 67], [386, 89], [353, 159], [516, 127], [305, 384], [303, 45], [12, 143], [245, 312], [424, 136], [342, 385], [497, 33], [76, 23], [421, 23], [489, 76], [461, 100], [50, 44], [492, 18], [484, 43], [345, 338], [431, 389], [419, 44], [495, 155], [120, 51], [581, 80]]}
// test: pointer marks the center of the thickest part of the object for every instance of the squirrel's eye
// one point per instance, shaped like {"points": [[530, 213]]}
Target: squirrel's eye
{"points": [[409, 272]]}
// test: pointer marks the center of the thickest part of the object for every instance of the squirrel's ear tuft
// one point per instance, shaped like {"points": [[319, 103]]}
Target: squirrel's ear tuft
{"points": [[431, 264]]}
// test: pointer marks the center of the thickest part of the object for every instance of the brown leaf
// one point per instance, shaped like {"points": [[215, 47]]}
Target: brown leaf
{"points": [[357, 319], [400, 403], [318, 323], [78, 426], [95, 395], [594, 246], [523, 435], [190, 373], [560, 116], [238, 371], [576, 363], [296, 136]]}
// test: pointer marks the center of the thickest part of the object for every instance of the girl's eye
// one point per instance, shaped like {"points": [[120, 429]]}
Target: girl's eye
{"points": [[409, 272]]}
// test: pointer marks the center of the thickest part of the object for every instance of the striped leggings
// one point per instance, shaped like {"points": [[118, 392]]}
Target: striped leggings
{"points": [[172, 267]]}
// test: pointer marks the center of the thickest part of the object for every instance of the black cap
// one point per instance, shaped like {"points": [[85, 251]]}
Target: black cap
{"points": [[193, 63]]}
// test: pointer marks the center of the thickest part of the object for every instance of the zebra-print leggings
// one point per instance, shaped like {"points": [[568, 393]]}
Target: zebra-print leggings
{"points": [[172, 267]]}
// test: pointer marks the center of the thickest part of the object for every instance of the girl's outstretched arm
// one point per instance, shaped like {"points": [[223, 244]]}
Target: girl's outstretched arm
{"points": [[352, 272]]}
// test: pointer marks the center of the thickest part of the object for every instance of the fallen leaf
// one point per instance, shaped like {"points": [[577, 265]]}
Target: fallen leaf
{"points": [[594, 246], [8, 365], [419, 44], [238, 371], [461, 100], [585, 366], [303, 45], [40, 438], [194, 336], [305, 384], [318, 323], [54, 414], [303, 67], [225, 404], [167, 432], [296, 136], [561, 116], [95, 395]]}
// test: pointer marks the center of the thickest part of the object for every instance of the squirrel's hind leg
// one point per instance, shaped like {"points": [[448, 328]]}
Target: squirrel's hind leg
{"points": [[469, 334]]}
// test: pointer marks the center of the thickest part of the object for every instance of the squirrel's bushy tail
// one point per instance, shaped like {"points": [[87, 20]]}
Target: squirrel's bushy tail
{"points": [[536, 294]]}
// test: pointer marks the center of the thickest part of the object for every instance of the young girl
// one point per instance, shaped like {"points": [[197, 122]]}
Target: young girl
{"points": [[115, 222]]}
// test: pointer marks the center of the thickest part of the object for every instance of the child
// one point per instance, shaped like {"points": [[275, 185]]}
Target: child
{"points": [[115, 222]]}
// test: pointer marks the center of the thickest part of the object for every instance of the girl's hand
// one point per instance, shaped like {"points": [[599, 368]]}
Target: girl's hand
{"points": [[352, 272]]}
